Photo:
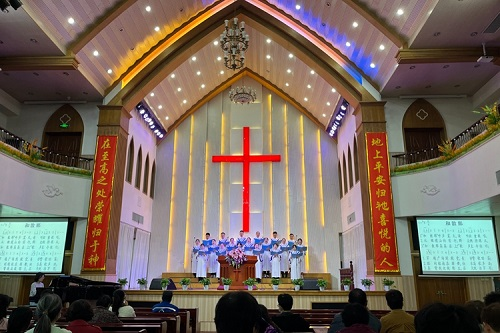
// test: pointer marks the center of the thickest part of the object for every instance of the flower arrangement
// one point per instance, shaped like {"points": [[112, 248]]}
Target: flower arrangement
{"points": [[367, 282], [492, 115], [35, 153], [227, 281], [322, 283], [164, 282], [448, 148], [142, 281], [123, 282], [275, 281], [387, 282], [250, 282], [185, 282], [298, 282], [205, 281], [236, 258]]}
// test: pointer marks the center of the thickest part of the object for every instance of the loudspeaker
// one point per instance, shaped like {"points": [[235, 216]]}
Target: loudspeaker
{"points": [[15, 4], [310, 284]]}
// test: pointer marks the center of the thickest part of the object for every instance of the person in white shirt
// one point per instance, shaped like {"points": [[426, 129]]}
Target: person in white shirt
{"points": [[201, 259], [266, 257], [120, 305], [242, 239], [194, 253], [48, 311], [275, 261], [38, 283], [284, 258]]}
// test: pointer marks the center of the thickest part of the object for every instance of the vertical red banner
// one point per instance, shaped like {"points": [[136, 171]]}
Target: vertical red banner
{"points": [[381, 205], [94, 256]]}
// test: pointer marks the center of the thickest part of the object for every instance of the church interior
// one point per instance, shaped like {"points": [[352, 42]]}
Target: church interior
{"points": [[356, 100]]}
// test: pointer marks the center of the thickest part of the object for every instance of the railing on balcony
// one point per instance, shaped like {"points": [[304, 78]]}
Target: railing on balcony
{"points": [[49, 156], [427, 154]]}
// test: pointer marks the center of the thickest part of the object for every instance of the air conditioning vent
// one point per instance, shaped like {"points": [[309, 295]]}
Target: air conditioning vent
{"points": [[137, 218]]}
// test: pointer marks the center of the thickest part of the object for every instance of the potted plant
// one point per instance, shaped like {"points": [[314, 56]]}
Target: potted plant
{"points": [[346, 282], [321, 283], [226, 282], [142, 282], [205, 282], [275, 283], [297, 283], [185, 282], [367, 283], [164, 283], [387, 284], [250, 283], [123, 282]]}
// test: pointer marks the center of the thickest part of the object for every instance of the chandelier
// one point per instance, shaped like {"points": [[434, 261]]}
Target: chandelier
{"points": [[242, 95], [234, 43]]}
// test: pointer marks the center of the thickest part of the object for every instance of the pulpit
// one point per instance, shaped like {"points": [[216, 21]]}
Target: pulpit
{"points": [[238, 275]]}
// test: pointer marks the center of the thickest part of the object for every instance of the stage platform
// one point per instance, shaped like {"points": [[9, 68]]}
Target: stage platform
{"points": [[205, 300]]}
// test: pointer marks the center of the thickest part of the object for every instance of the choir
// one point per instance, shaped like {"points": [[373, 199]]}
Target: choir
{"points": [[275, 257]]}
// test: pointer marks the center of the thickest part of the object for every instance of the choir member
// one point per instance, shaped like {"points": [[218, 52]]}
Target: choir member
{"points": [[207, 241], [212, 258], [302, 249], [295, 257], [284, 257], [201, 268], [275, 238], [257, 251], [258, 239], [194, 253], [222, 251], [266, 257], [242, 239], [275, 261], [223, 239], [231, 245], [248, 247]]}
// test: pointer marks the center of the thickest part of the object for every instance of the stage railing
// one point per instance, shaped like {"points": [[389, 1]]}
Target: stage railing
{"points": [[427, 154], [49, 156]]}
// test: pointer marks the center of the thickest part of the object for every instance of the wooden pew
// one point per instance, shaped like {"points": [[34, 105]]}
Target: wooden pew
{"points": [[173, 321], [150, 328], [191, 319]]}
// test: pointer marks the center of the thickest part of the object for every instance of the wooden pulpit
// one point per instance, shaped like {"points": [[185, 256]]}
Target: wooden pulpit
{"points": [[237, 275]]}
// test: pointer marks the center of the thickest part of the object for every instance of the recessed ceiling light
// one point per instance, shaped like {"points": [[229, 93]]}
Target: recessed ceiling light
{"points": [[157, 28], [160, 106], [148, 8], [172, 76], [324, 114], [412, 67], [290, 56], [33, 40], [202, 85], [193, 58], [446, 66], [473, 34], [96, 53], [179, 89], [372, 65], [312, 72], [110, 71], [309, 86], [268, 41], [305, 99], [334, 90], [219, 58], [198, 73], [297, 7], [71, 20], [221, 72], [152, 94], [166, 118], [347, 44], [328, 103], [184, 101], [400, 12], [216, 42], [268, 56], [288, 70], [286, 84], [355, 24], [437, 34], [381, 47], [398, 87]]}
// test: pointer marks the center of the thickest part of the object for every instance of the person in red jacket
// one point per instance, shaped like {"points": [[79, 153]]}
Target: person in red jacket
{"points": [[78, 314]]}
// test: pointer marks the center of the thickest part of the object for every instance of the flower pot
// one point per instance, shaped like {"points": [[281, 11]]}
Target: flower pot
{"points": [[346, 287], [142, 287], [164, 288], [250, 287], [296, 287], [185, 287], [275, 287], [367, 288], [387, 288], [205, 287], [226, 287], [321, 288]]}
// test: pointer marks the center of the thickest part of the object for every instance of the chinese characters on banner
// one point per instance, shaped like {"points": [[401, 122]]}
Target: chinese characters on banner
{"points": [[94, 257], [382, 211]]}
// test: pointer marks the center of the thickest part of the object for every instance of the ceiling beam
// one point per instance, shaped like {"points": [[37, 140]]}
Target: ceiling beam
{"points": [[66, 63], [100, 23], [429, 56], [378, 22]]}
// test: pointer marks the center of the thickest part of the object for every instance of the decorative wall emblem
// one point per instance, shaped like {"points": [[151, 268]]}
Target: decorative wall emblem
{"points": [[430, 190], [52, 191], [421, 114], [65, 119]]}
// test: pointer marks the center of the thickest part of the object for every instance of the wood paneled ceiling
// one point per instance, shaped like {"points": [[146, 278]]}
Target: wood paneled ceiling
{"points": [[313, 52]]}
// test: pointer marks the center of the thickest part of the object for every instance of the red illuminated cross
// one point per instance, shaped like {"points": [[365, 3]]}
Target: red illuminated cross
{"points": [[246, 159]]}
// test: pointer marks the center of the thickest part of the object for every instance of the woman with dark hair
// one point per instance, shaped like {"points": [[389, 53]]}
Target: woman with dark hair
{"points": [[37, 283], [102, 313], [120, 305], [4, 305], [78, 315], [266, 324], [20, 320], [48, 311], [237, 311]]}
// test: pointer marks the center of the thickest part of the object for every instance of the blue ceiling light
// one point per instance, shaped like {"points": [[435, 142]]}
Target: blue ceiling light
{"points": [[150, 119]]}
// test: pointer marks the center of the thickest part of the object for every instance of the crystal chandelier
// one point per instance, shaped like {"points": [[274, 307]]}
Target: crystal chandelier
{"points": [[234, 43], [242, 95]]}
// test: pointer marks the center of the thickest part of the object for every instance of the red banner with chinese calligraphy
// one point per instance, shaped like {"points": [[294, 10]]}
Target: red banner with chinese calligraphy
{"points": [[94, 257], [381, 206]]}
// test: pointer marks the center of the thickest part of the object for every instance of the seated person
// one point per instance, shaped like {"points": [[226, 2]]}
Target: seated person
{"points": [[102, 313], [20, 320], [286, 320], [397, 320], [444, 318], [165, 305], [357, 296], [4, 305], [490, 317], [237, 311], [78, 315], [356, 318], [120, 305]]}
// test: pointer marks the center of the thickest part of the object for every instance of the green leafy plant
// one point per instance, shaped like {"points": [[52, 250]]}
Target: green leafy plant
{"points": [[322, 283], [492, 115], [35, 153], [346, 281], [298, 282], [447, 148], [123, 282], [275, 281], [227, 281], [387, 282], [142, 281], [367, 282], [205, 281], [250, 282], [185, 282], [164, 282]]}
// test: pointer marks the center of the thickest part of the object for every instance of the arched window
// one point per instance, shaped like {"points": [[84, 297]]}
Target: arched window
{"points": [[356, 161], [349, 164], [152, 184], [145, 185], [344, 173], [340, 180], [138, 169], [130, 161]]}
